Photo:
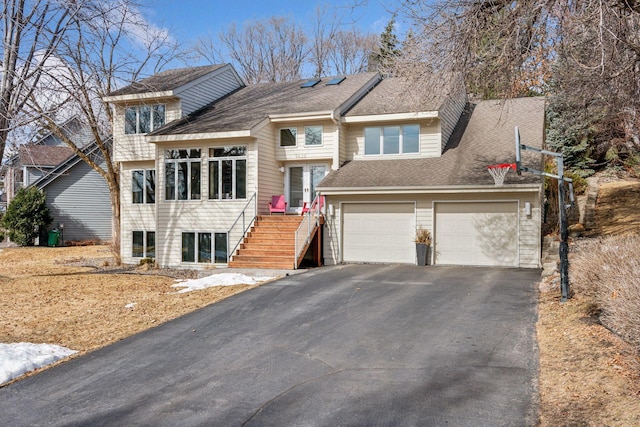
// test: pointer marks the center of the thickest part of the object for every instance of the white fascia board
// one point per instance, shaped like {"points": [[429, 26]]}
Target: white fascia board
{"points": [[134, 97], [514, 188], [311, 115], [199, 136], [391, 117]]}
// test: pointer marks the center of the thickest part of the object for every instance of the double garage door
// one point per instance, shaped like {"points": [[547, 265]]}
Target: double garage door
{"points": [[469, 233]]}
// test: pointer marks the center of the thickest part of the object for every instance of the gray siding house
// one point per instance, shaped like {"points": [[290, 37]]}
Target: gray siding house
{"points": [[78, 198]]}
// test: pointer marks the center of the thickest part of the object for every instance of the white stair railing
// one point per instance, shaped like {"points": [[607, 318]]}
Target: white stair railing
{"points": [[310, 220], [241, 225]]}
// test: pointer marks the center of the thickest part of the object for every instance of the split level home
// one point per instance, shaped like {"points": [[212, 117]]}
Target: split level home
{"points": [[77, 196], [215, 172]]}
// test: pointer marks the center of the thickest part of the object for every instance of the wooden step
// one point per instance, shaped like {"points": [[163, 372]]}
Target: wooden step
{"points": [[265, 265]]}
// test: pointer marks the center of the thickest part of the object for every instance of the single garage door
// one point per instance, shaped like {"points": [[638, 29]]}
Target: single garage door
{"points": [[477, 233], [378, 232]]}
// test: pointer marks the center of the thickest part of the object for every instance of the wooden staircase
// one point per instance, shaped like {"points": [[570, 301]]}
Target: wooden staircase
{"points": [[269, 244]]}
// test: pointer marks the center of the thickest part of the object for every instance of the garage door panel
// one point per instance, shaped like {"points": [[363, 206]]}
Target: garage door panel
{"points": [[482, 233], [378, 232]]}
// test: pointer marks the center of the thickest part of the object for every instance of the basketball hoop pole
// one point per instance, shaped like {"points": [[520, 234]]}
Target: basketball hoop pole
{"points": [[563, 220]]}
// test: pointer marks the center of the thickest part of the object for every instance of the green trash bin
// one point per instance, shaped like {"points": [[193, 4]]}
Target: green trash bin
{"points": [[54, 236]]}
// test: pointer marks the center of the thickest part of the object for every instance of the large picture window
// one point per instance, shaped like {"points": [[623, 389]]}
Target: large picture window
{"points": [[228, 173], [204, 247], [392, 140], [182, 174], [143, 186], [144, 244], [143, 118]]}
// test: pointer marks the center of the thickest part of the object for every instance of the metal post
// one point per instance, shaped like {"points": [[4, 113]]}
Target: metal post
{"points": [[564, 234]]}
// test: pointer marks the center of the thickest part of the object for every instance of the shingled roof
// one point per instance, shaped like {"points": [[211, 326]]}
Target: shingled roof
{"points": [[43, 155], [166, 80], [399, 95], [483, 136], [250, 105]]}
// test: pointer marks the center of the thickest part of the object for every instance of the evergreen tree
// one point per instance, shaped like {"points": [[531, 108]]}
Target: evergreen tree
{"points": [[384, 59], [25, 215]]}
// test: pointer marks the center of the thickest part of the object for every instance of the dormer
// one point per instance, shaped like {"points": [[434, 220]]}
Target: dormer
{"points": [[396, 120]]}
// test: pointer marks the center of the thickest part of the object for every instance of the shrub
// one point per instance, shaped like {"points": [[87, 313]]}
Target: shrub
{"points": [[608, 269], [26, 213]]}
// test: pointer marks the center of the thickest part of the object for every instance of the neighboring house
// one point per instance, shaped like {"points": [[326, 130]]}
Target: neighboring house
{"points": [[77, 196], [199, 151]]}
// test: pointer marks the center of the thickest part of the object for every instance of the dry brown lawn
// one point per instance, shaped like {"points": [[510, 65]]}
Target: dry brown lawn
{"points": [[588, 375], [48, 295]]}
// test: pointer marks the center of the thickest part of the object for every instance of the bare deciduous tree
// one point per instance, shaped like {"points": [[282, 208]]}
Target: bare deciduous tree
{"points": [[268, 50], [107, 45], [31, 33]]}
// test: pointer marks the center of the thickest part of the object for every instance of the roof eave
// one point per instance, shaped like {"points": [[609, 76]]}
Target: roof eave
{"points": [[199, 136], [139, 96], [306, 116], [391, 117], [507, 188]]}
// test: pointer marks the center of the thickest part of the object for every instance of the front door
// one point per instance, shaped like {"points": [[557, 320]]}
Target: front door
{"points": [[301, 184]]}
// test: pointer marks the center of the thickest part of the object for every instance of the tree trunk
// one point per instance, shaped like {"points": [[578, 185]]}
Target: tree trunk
{"points": [[114, 192]]}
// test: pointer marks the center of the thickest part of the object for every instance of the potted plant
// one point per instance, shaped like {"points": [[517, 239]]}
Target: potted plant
{"points": [[423, 246]]}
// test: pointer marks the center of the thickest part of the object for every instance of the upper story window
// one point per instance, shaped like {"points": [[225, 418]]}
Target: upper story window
{"points": [[288, 137], [228, 173], [143, 118], [182, 174], [313, 135], [392, 140], [143, 186]]}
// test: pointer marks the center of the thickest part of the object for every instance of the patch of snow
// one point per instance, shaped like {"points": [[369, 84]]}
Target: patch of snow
{"points": [[222, 279], [19, 358], [131, 305]]}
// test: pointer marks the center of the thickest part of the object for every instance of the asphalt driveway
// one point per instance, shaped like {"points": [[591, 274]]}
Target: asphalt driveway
{"points": [[348, 345]]}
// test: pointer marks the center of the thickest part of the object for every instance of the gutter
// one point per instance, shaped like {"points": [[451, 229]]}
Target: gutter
{"points": [[512, 188]]}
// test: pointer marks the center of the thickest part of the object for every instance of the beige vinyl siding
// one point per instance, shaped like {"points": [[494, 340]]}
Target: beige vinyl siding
{"points": [[303, 152], [177, 216], [529, 227], [450, 114], [135, 147], [429, 140], [343, 145], [210, 88], [270, 179], [134, 217]]}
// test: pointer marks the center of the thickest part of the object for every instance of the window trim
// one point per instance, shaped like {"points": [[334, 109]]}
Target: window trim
{"points": [[211, 159], [295, 137], [145, 244], [401, 144], [196, 248], [189, 160], [145, 181], [321, 136], [152, 114]]}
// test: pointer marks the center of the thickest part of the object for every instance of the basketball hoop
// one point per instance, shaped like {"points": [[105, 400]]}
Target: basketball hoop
{"points": [[498, 172]]}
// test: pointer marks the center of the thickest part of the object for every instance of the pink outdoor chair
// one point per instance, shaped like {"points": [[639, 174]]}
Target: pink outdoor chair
{"points": [[306, 208], [277, 205]]}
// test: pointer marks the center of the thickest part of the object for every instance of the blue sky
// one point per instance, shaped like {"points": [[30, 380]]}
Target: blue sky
{"points": [[189, 19]]}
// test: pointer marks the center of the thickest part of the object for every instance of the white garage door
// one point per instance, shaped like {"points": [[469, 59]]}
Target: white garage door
{"points": [[378, 232], [478, 233]]}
